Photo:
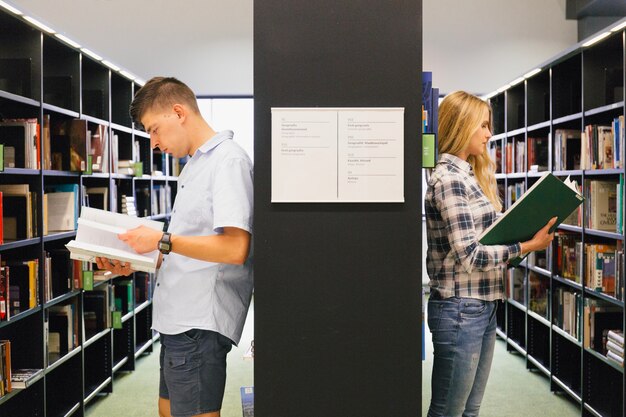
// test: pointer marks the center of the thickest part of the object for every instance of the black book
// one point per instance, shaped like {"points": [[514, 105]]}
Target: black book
{"points": [[62, 271]]}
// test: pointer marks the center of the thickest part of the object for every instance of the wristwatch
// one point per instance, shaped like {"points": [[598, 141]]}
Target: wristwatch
{"points": [[165, 244]]}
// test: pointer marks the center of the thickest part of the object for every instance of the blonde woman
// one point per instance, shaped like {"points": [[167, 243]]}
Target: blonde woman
{"points": [[465, 276]]}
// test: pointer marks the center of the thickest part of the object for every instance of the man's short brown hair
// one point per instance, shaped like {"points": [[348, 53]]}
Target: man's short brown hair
{"points": [[160, 93]]}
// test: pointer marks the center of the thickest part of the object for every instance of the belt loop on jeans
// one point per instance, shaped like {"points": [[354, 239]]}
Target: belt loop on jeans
{"points": [[435, 295]]}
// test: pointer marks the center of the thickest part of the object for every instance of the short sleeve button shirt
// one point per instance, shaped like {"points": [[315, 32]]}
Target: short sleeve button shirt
{"points": [[214, 191]]}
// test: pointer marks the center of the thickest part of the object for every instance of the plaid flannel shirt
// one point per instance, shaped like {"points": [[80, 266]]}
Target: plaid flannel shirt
{"points": [[457, 211]]}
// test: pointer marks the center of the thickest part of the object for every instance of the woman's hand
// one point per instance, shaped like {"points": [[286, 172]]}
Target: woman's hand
{"points": [[541, 240]]}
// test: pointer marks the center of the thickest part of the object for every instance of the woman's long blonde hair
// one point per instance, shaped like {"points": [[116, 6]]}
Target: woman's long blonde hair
{"points": [[460, 115]]}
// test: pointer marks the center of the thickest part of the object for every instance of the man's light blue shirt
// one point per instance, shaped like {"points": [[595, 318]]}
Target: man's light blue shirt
{"points": [[214, 191]]}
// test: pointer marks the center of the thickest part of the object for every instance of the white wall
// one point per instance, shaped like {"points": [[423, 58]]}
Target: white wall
{"points": [[236, 114]]}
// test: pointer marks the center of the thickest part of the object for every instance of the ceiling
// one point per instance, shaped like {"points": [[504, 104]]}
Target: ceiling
{"points": [[476, 45]]}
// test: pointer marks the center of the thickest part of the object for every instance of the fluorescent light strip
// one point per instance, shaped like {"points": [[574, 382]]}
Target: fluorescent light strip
{"points": [[38, 24], [110, 65], [516, 81], [128, 75], [531, 73], [91, 54], [596, 39], [619, 27], [10, 8], [67, 40], [488, 96], [504, 87]]}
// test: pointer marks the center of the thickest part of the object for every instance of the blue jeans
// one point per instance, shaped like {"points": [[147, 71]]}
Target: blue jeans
{"points": [[464, 334]]}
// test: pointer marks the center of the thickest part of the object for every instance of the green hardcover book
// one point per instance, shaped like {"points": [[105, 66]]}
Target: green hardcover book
{"points": [[547, 198], [429, 150]]}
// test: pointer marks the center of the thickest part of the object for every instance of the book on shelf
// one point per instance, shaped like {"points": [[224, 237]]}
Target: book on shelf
{"points": [[601, 272], [5, 367], [1, 222], [617, 336], [546, 198], [4, 295], [602, 205], [61, 211], [80, 141], [614, 357], [97, 237], [537, 153], [599, 319], [67, 188], [615, 347], [566, 149], [23, 378], [99, 304], [62, 330], [18, 212], [99, 149], [21, 138], [124, 297], [23, 285], [98, 197], [128, 205]]}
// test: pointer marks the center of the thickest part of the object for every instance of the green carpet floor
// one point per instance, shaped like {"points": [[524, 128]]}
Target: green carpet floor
{"points": [[512, 390]]}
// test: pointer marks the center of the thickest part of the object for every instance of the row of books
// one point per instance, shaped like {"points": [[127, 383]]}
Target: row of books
{"points": [[602, 147], [596, 147], [19, 283], [61, 206], [587, 321], [514, 191], [62, 325], [70, 145], [567, 312], [602, 270]]}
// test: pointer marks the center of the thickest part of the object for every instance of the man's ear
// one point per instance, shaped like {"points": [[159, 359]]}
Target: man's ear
{"points": [[180, 111]]}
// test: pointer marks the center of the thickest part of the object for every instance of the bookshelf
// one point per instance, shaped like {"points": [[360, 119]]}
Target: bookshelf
{"points": [[561, 302], [66, 328]]}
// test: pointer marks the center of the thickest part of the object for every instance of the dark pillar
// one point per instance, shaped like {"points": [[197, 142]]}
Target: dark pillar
{"points": [[337, 286]]}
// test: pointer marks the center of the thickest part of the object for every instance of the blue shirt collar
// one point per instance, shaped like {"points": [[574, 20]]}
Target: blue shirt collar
{"points": [[214, 141]]}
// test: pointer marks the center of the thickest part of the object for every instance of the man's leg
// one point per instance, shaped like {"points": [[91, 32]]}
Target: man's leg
{"points": [[193, 373]]}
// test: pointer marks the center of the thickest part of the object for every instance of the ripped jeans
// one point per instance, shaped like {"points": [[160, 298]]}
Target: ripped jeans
{"points": [[464, 334]]}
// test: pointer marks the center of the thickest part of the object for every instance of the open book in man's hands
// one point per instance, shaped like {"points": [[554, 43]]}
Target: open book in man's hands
{"points": [[548, 197], [97, 237]]}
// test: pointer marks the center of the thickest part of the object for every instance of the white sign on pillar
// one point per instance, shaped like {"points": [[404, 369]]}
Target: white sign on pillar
{"points": [[337, 155]]}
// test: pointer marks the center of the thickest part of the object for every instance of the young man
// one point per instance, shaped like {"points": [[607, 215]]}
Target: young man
{"points": [[204, 282]]}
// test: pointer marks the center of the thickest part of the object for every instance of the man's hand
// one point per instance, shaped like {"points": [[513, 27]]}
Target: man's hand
{"points": [[142, 239], [114, 266]]}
